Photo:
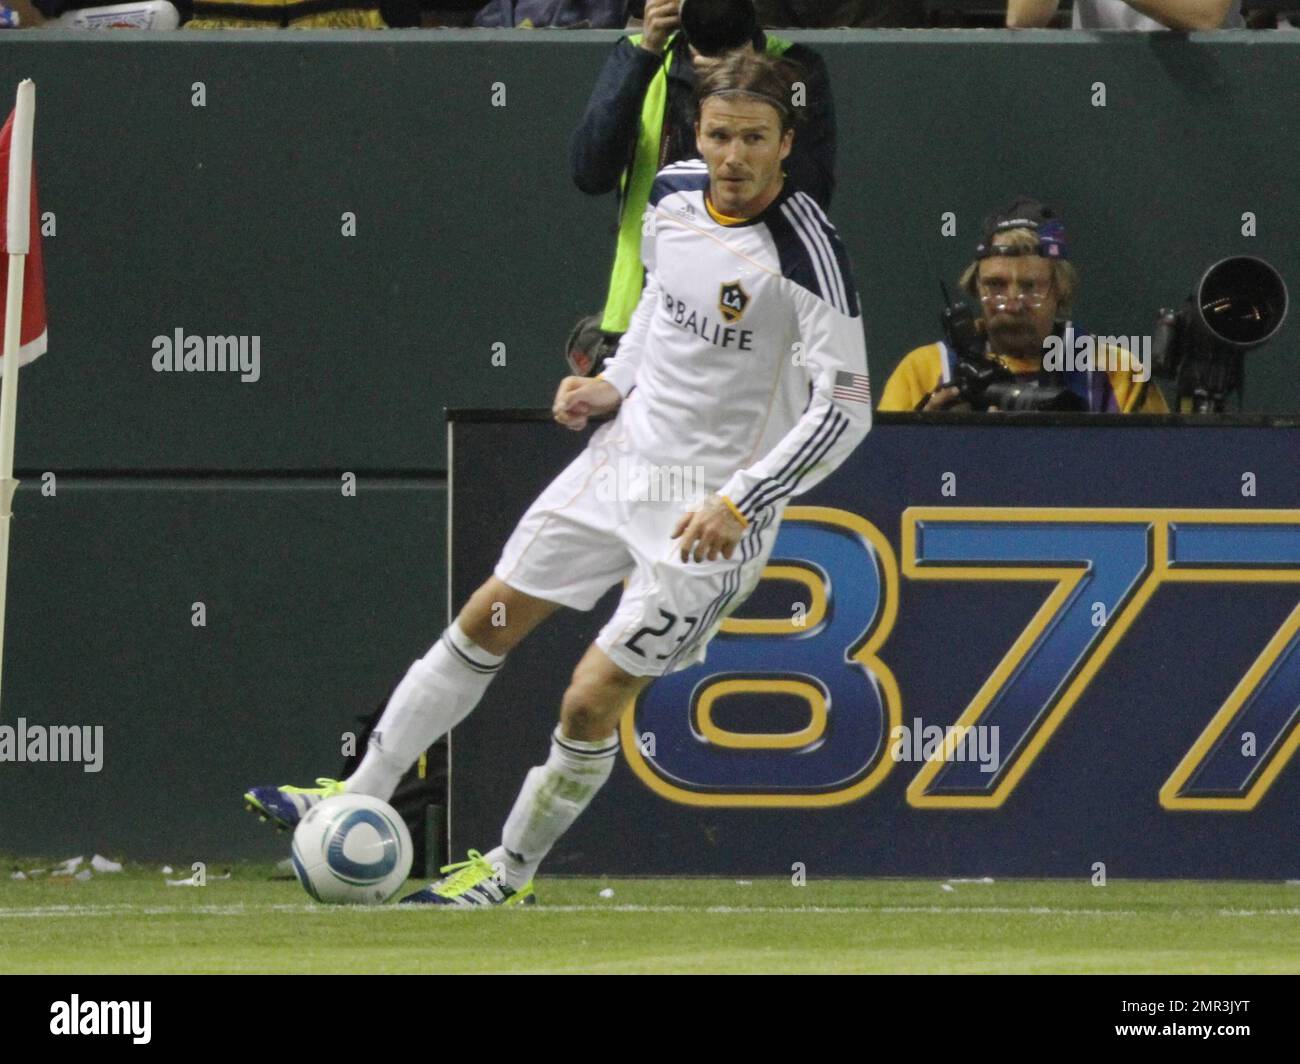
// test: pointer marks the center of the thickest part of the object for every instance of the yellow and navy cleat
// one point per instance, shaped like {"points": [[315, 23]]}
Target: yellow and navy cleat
{"points": [[473, 884], [285, 806]]}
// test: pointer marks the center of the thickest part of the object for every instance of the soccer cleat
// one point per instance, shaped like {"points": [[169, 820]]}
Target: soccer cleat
{"points": [[472, 885], [285, 806]]}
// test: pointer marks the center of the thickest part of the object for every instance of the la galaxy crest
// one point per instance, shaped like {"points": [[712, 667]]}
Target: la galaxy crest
{"points": [[732, 301]]}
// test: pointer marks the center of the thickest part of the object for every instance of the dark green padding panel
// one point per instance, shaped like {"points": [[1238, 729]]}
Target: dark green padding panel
{"points": [[315, 606], [226, 219]]}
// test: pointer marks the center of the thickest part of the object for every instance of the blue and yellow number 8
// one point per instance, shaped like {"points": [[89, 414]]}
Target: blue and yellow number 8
{"points": [[827, 658]]}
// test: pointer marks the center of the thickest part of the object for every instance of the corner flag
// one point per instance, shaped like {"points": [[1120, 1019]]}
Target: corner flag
{"points": [[24, 288], [32, 338]]}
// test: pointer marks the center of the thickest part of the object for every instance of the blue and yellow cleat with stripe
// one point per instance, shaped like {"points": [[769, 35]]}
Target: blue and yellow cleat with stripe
{"points": [[285, 806], [473, 884]]}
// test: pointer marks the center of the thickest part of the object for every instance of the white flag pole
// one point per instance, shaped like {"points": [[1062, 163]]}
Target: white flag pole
{"points": [[17, 240]]}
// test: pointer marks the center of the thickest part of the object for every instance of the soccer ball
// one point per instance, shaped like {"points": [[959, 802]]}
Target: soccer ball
{"points": [[352, 849]]}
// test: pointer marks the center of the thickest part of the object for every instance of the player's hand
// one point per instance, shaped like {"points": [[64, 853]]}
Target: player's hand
{"points": [[659, 21], [708, 531], [580, 398]]}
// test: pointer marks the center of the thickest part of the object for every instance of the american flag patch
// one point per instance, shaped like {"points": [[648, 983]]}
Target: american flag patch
{"points": [[852, 388]]}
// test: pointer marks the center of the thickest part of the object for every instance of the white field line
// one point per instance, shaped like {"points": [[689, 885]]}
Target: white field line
{"points": [[307, 908], [1002, 910], [60, 911]]}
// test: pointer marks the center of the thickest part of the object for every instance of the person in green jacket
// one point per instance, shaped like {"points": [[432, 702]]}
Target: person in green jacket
{"points": [[641, 117]]}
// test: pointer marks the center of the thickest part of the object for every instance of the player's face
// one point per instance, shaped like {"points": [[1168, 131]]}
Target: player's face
{"points": [[1019, 301], [740, 138]]}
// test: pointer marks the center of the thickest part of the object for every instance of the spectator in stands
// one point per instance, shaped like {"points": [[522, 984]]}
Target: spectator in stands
{"points": [[1131, 14], [567, 14], [1267, 18], [1026, 286], [28, 13], [830, 14], [453, 14], [641, 118], [295, 14]]}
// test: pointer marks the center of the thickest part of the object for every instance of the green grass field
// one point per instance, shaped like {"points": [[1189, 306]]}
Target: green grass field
{"points": [[255, 922]]}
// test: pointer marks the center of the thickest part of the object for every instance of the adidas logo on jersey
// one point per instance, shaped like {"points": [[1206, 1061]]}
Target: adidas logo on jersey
{"points": [[686, 210]]}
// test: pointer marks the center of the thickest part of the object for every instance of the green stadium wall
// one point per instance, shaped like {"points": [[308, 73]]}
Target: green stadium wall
{"points": [[227, 219]]}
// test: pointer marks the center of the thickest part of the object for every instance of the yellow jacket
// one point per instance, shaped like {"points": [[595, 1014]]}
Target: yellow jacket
{"points": [[925, 368]]}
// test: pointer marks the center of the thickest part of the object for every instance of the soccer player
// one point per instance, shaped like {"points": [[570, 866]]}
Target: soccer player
{"points": [[745, 359]]}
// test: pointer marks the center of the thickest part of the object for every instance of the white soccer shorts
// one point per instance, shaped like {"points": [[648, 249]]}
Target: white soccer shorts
{"points": [[594, 526]]}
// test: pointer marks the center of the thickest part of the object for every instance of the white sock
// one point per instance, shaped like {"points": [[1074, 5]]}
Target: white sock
{"points": [[552, 797], [436, 694]]}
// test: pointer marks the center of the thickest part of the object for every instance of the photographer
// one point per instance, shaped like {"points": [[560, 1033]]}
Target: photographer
{"points": [[1026, 287], [641, 118]]}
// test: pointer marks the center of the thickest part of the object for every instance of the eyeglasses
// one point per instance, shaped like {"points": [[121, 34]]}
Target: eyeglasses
{"points": [[1034, 296]]}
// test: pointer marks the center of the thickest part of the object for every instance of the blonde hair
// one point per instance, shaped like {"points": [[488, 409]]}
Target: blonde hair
{"points": [[1065, 278]]}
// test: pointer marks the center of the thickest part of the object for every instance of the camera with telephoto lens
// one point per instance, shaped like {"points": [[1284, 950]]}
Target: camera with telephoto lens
{"points": [[982, 381], [1238, 304], [588, 347]]}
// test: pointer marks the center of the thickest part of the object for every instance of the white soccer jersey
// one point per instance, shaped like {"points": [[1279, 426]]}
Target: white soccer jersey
{"points": [[745, 356]]}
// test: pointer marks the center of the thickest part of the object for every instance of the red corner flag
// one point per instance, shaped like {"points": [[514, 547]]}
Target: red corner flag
{"points": [[33, 335]]}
